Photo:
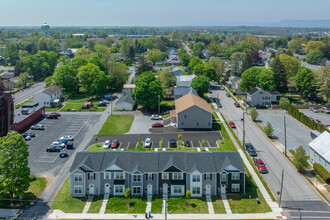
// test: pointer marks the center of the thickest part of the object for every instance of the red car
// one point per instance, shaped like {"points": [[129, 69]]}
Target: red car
{"points": [[114, 143], [236, 104], [58, 114], [157, 125], [232, 124], [260, 165]]}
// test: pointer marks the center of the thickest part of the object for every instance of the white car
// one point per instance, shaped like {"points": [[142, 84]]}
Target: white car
{"points": [[147, 143], [106, 144], [156, 117], [28, 138], [68, 137], [313, 109], [60, 144]]}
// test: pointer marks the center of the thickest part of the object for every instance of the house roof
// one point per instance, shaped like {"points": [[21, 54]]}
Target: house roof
{"points": [[126, 98], [184, 80], [321, 145], [275, 92], [252, 91], [190, 100], [129, 86], [52, 90], [204, 162], [181, 91]]}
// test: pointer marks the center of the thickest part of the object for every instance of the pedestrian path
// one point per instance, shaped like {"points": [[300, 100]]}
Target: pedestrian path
{"points": [[104, 203], [164, 149], [149, 198], [209, 204], [88, 204], [226, 203], [198, 149], [207, 149], [156, 149]]}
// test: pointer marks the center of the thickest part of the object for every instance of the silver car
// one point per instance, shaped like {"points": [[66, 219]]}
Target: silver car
{"points": [[147, 143]]}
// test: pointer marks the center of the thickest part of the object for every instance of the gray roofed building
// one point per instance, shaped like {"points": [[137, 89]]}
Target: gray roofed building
{"points": [[51, 97], [320, 150], [181, 91], [259, 97], [125, 103], [52, 90], [184, 80]]}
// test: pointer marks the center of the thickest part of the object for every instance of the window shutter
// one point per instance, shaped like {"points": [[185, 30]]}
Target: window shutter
{"points": [[210, 176], [146, 176], [204, 176], [152, 176], [93, 176]]}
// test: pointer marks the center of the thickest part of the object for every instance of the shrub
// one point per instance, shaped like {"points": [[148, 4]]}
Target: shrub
{"points": [[269, 129], [253, 114], [96, 138], [324, 174], [300, 159], [33, 177]]}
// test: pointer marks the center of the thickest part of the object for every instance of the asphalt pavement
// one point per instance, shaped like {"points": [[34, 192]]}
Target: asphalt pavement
{"points": [[26, 93], [298, 194], [324, 118]]}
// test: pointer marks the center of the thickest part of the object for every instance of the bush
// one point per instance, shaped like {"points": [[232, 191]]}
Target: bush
{"points": [[33, 177], [324, 174], [269, 129], [96, 138], [253, 114]]}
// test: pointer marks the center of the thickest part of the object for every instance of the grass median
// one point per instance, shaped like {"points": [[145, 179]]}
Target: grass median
{"points": [[117, 125]]}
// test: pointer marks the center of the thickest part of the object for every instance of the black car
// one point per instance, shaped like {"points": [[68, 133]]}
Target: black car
{"points": [[69, 145], [29, 133], [227, 94], [187, 144], [250, 149], [173, 143], [219, 105], [102, 103], [261, 107], [52, 116], [53, 148]]}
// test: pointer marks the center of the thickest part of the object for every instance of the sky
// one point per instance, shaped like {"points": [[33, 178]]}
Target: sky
{"points": [[158, 12]]}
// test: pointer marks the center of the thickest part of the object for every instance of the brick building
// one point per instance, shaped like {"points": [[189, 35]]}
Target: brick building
{"points": [[6, 108]]}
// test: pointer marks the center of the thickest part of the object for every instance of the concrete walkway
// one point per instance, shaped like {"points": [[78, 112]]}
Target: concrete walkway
{"points": [[209, 204], [149, 198], [198, 149], [104, 203], [88, 204], [207, 149], [226, 203]]}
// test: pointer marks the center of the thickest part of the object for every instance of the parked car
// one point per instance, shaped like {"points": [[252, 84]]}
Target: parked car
{"points": [[313, 109], [260, 165], [173, 143], [105, 101], [52, 115], [68, 137], [250, 149], [210, 90], [237, 105], [27, 138], [69, 145], [325, 110], [87, 105], [157, 125], [221, 88], [102, 103], [53, 148], [106, 144], [38, 127], [147, 143], [219, 105], [29, 133], [187, 144], [115, 143], [232, 124], [261, 107], [227, 94], [156, 117], [63, 140], [58, 143]]}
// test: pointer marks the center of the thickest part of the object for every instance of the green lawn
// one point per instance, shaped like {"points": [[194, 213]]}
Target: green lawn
{"points": [[226, 144], [218, 205], [96, 204], [97, 147], [53, 109], [117, 125], [156, 204], [75, 103], [178, 205], [36, 188], [119, 205], [65, 202]]}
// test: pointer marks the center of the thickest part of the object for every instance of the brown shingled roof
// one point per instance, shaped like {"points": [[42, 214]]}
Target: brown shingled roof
{"points": [[189, 100]]}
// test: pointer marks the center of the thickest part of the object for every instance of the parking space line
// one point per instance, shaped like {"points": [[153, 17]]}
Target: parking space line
{"points": [[119, 145], [83, 125], [192, 144], [198, 149], [136, 144], [207, 149], [122, 149], [128, 145], [168, 144], [156, 149], [208, 143]]}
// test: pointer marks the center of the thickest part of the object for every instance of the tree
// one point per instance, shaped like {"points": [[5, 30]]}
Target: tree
{"points": [[144, 66], [11, 53], [256, 59], [154, 55], [96, 61], [117, 74], [193, 62], [128, 195], [249, 79], [237, 59], [49, 81], [14, 169], [180, 136], [314, 45], [215, 49], [109, 41], [188, 194], [102, 51], [269, 129], [198, 49], [255, 42], [23, 79], [147, 90], [66, 77], [218, 66], [281, 42], [253, 114], [247, 62], [305, 82], [291, 65], [300, 159], [124, 47], [184, 57], [206, 70], [323, 83], [100, 84], [201, 84], [266, 79], [36, 66], [284, 102], [167, 78], [315, 57], [295, 45], [279, 75]]}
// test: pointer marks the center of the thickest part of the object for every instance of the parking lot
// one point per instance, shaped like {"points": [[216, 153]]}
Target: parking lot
{"points": [[324, 118], [194, 138], [75, 124]]}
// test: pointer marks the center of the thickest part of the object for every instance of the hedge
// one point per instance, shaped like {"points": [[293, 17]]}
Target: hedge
{"points": [[322, 172]]}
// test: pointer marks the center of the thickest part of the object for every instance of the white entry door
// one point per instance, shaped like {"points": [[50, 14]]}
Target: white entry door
{"points": [[208, 189], [149, 191], [223, 189], [91, 189], [107, 188], [165, 188]]}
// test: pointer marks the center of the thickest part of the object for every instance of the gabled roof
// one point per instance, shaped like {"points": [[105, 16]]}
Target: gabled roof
{"points": [[275, 92], [257, 89], [181, 91], [321, 145], [190, 100], [52, 90], [126, 98], [252, 91], [129, 86]]}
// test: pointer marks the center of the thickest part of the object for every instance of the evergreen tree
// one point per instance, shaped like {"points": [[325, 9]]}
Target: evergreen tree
{"points": [[279, 75], [247, 62]]}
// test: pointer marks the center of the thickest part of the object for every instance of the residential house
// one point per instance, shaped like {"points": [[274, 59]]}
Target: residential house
{"points": [[177, 71], [173, 60], [206, 54], [128, 88], [320, 150], [125, 103], [259, 97], [7, 75], [184, 80], [233, 83], [70, 52], [193, 113], [157, 173], [182, 91], [50, 97], [327, 63]]}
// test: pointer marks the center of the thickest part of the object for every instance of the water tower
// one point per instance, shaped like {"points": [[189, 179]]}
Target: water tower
{"points": [[45, 29]]}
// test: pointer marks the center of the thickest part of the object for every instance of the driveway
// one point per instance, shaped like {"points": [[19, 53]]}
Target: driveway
{"points": [[296, 133], [142, 123]]}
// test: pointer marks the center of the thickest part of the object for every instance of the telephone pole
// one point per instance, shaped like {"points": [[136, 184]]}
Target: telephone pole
{"points": [[281, 188], [158, 104], [243, 130], [284, 135]]}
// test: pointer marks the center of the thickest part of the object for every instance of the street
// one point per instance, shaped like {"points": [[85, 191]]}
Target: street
{"points": [[18, 97], [298, 194]]}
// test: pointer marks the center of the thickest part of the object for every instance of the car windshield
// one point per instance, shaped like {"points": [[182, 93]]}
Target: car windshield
{"points": [[261, 164]]}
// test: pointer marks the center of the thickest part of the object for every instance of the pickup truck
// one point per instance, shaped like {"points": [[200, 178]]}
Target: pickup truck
{"points": [[260, 165]]}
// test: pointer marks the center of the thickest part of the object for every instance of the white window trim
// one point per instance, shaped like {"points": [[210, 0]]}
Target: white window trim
{"points": [[76, 175], [192, 190], [177, 178], [198, 178], [208, 176], [177, 194], [116, 178], [116, 193], [234, 185], [76, 186], [149, 176], [163, 176], [137, 175], [137, 187], [223, 179], [105, 175], [235, 176]]}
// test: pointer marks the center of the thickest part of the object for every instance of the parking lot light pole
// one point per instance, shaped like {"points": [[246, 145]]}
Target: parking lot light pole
{"points": [[284, 136], [243, 130]]}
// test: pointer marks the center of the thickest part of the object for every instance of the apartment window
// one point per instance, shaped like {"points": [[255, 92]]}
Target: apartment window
{"points": [[235, 176], [149, 176], [197, 123], [235, 187], [181, 123], [136, 190], [196, 178], [185, 116], [165, 176], [208, 176], [177, 189], [119, 189], [177, 176], [136, 178], [196, 190], [78, 189], [78, 177], [119, 176], [91, 176], [223, 177], [107, 176]]}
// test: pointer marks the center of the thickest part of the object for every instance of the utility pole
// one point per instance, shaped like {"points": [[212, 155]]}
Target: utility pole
{"points": [[285, 135], [110, 107], [281, 188], [166, 209], [158, 104], [243, 130]]}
